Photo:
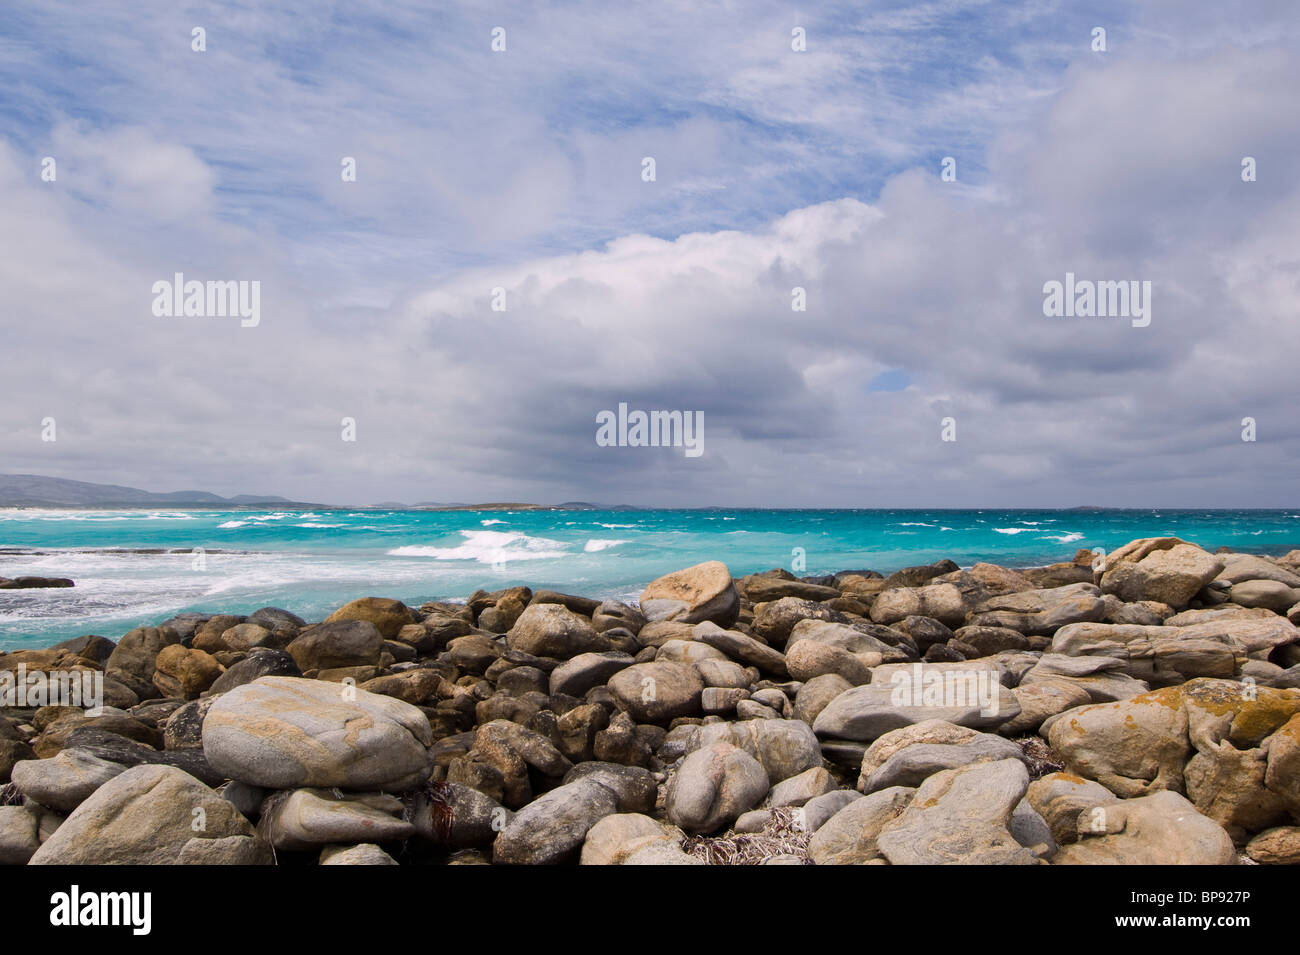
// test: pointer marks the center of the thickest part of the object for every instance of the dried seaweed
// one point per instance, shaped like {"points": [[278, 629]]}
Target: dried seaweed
{"points": [[781, 836]]}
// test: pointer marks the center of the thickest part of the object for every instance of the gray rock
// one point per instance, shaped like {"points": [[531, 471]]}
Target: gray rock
{"points": [[867, 712], [366, 853], [661, 853], [798, 790], [702, 592], [456, 816], [815, 695], [713, 786], [784, 748], [915, 764], [575, 677], [636, 789], [282, 733], [258, 664], [850, 836], [961, 816], [657, 692], [65, 780], [19, 834], [552, 828], [614, 838], [227, 850], [1102, 678], [1162, 829], [1269, 594], [308, 818], [814, 813], [144, 816], [184, 728], [127, 752], [1171, 575], [552, 630], [739, 646], [342, 643], [1030, 829]]}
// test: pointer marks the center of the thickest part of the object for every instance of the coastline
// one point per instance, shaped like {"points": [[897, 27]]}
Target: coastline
{"points": [[823, 718], [135, 567]]}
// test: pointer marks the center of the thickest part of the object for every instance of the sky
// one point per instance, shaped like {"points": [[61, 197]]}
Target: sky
{"points": [[517, 177]]}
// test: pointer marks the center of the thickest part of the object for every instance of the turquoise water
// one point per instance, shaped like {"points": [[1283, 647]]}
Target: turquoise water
{"points": [[312, 562]]}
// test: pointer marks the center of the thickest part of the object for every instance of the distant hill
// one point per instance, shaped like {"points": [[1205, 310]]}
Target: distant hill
{"points": [[34, 490]]}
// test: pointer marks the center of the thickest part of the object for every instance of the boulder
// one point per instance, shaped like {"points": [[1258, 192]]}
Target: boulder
{"points": [[774, 620], [552, 828], [614, 838], [713, 786], [849, 837], [309, 818], [1280, 846], [944, 602], [1163, 569], [1162, 656], [552, 630], [1160, 829], [739, 646], [147, 815], [259, 664], [759, 589], [1102, 678], [699, 593], [1042, 699], [66, 780], [456, 816], [960, 816], [132, 660], [20, 835], [587, 670], [1268, 594], [185, 673], [367, 853], [284, 732], [343, 643], [657, 692], [387, 616], [912, 765], [784, 748], [957, 693]]}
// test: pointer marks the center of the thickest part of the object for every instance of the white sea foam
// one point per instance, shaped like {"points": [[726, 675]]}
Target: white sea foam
{"points": [[615, 526], [490, 547], [1012, 530], [1064, 538], [490, 523], [312, 524], [596, 544], [231, 524], [914, 524]]}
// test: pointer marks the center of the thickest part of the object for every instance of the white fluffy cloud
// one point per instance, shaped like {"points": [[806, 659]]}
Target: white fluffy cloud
{"points": [[376, 302]]}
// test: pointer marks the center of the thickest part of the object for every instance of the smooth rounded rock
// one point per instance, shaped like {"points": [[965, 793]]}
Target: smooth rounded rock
{"points": [[284, 733]]}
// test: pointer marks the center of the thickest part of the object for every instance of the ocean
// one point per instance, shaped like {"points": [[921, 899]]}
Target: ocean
{"points": [[135, 567]]}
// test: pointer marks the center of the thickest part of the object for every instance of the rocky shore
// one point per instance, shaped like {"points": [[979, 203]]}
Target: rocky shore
{"points": [[1138, 708]]}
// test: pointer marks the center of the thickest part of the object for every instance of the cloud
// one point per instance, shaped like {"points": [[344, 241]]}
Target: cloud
{"points": [[924, 298]]}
